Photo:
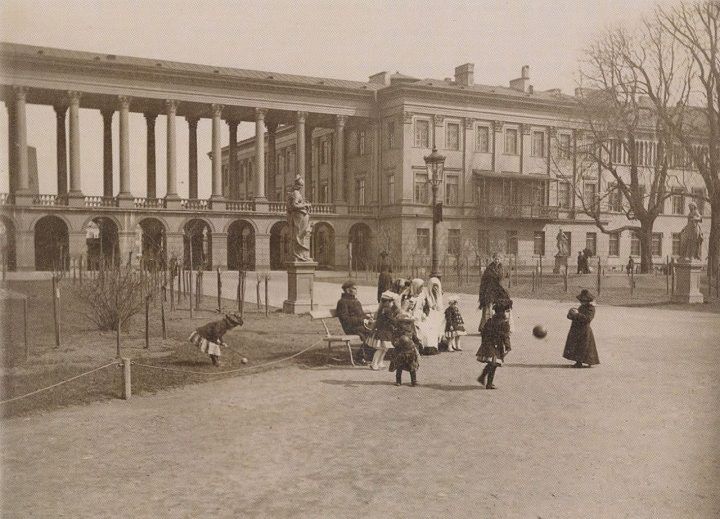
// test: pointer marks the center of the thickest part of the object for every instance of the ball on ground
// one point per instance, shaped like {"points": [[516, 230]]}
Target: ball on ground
{"points": [[539, 331], [244, 360]]}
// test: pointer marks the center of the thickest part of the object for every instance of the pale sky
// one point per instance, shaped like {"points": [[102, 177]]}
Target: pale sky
{"points": [[341, 39]]}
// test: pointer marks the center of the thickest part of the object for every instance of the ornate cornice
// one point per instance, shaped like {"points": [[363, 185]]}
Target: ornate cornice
{"points": [[497, 126], [438, 119]]}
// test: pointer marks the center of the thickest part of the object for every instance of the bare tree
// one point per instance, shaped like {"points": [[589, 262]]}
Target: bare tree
{"points": [[624, 140]]}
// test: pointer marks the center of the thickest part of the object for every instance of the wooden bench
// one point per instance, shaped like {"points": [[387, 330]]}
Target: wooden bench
{"points": [[329, 313]]}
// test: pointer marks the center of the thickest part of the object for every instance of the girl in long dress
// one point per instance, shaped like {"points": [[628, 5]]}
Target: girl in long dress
{"points": [[435, 321]]}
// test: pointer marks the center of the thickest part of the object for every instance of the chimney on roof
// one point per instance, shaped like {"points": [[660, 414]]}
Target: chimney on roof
{"points": [[381, 78], [464, 74], [521, 84]]}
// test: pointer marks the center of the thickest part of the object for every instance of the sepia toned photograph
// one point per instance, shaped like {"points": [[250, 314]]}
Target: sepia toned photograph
{"points": [[360, 259]]}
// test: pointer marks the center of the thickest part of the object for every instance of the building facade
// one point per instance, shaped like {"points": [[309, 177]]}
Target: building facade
{"points": [[511, 179]]}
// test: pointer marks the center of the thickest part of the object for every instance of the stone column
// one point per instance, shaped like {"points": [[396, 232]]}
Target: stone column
{"points": [[172, 200], [150, 154], [373, 136], [217, 195], [232, 162], [497, 146], [107, 153], [311, 186], [61, 148], [260, 154], [300, 146], [339, 191], [75, 196], [12, 145], [272, 160], [125, 198], [192, 162], [525, 146], [22, 192]]}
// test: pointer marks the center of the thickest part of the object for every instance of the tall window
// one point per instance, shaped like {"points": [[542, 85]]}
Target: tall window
{"points": [[656, 246], [511, 242], [391, 189], [634, 244], [564, 144], [614, 199], [291, 167], [451, 190], [699, 201], [564, 195], [454, 242], [390, 134], [422, 245], [483, 242], [614, 244], [676, 244], [591, 242], [511, 141], [538, 144], [539, 243], [362, 143], [353, 143], [421, 188], [360, 191], [482, 139], [590, 196], [422, 133], [678, 200], [324, 152], [452, 136]]}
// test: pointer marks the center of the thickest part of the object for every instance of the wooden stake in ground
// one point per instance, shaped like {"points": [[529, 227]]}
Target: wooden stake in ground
{"points": [[541, 272], [257, 293], [162, 319], [241, 292], [599, 271], [56, 309], [565, 279], [672, 277], [127, 379], [25, 328], [147, 322], [267, 276], [632, 282], [219, 290], [667, 275]]}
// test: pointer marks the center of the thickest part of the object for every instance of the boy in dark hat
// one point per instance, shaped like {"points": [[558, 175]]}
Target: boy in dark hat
{"points": [[495, 342], [580, 344], [209, 337]]}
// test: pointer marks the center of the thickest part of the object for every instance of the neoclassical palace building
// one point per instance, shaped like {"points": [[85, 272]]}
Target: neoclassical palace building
{"points": [[509, 184]]}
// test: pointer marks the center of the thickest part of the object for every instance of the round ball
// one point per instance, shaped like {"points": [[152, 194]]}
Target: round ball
{"points": [[539, 331], [244, 360]]}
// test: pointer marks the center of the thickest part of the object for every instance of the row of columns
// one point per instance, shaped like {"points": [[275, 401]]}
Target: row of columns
{"points": [[19, 160]]}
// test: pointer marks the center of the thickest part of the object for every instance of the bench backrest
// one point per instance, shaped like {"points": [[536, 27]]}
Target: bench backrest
{"points": [[330, 313]]}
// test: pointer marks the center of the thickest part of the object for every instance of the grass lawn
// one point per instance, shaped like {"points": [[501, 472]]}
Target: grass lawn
{"points": [[83, 348]]}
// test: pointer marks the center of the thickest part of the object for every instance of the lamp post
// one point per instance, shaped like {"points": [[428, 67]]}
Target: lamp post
{"points": [[435, 164]]}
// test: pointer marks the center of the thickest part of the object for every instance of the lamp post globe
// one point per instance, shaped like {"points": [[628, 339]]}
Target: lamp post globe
{"points": [[435, 164]]}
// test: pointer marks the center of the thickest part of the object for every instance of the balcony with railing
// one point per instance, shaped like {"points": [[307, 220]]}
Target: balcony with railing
{"points": [[149, 203], [50, 200], [100, 201], [195, 204], [240, 205], [518, 211], [322, 209]]}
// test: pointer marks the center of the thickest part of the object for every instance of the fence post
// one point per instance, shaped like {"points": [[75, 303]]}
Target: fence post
{"points": [[162, 319], [127, 380], [219, 290], [672, 277], [599, 274], [190, 273], [80, 269], [565, 278], [25, 328], [667, 276], [56, 310], [266, 295], [532, 288], [241, 292], [257, 293], [541, 272], [632, 282]]}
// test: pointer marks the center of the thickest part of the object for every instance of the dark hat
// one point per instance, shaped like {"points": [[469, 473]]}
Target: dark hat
{"points": [[585, 296], [234, 319], [348, 284], [503, 305]]}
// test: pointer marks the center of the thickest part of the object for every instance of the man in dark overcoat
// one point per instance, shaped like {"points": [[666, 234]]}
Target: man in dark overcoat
{"points": [[349, 312], [580, 344]]}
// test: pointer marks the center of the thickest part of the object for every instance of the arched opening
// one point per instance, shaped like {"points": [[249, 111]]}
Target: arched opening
{"points": [[323, 245], [152, 243], [7, 244], [197, 244], [103, 245], [241, 246], [361, 241], [51, 244], [279, 245]]}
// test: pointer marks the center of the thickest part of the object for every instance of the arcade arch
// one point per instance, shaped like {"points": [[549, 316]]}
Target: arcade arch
{"points": [[241, 246], [103, 244], [197, 244], [279, 245], [323, 245], [51, 244], [360, 238]]}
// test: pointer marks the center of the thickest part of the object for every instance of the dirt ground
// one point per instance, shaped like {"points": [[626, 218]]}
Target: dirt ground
{"points": [[636, 436]]}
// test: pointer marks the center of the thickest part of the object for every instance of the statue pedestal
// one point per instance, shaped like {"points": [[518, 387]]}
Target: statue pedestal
{"points": [[687, 281], [300, 282], [560, 264]]}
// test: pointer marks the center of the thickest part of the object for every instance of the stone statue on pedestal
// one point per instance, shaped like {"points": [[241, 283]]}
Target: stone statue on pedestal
{"points": [[298, 217], [691, 237], [562, 244]]}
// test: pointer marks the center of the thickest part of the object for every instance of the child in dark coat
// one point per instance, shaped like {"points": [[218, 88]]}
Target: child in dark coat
{"points": [[209, 337], [406, 355], [495, 342], [580, 344], [454, 326]]}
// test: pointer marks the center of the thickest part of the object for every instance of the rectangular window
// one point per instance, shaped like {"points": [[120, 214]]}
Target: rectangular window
{"points": [[656, 246], [511, 242], [391, 189], [451, 190], [564, 195], [482, 139], [676, 244], [390, 134], [614, 244], [422, 133], [699, 200], [362, 143], [483, 242], [678, 200], [360, 191], [591, 242], [539, 243], [423, 241], [454, 242], [452, 136], [538, 144], [511, 141], [324, 152], [352, 148], [590, 197], [421, 189], [324, 193], [614, 199], [634, 244], [564, 146]]}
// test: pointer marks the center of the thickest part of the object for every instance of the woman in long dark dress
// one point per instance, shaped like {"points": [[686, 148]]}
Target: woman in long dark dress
{"points": [[491, 289], [580, 344]]}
